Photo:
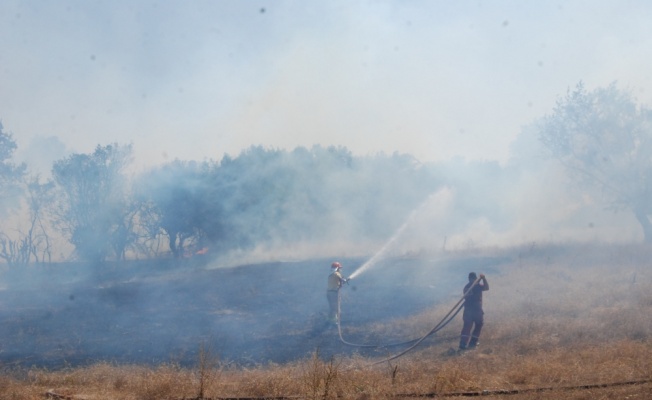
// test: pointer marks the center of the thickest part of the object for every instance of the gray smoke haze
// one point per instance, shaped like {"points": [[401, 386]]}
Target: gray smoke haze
{"points": [[40, 153], [197, 81], [453, 85]]}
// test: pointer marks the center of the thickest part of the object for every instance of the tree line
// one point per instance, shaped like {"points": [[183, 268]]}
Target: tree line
{"points": [[262, 196], [265, 196]]}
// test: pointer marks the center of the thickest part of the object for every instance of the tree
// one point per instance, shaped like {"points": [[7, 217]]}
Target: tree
{"points": [[35, 244], [39, 197], [11, 175], [92, 208], [604, 140], [13, 251], [174, 201]]}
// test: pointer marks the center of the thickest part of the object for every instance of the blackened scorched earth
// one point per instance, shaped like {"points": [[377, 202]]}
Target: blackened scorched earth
{"points": [[151, 312]]}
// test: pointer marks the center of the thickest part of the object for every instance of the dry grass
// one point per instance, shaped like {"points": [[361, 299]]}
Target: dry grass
{"points": [[551, 322]]}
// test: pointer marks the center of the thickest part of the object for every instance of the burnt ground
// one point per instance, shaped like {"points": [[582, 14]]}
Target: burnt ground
{"points": [[156, 312]]}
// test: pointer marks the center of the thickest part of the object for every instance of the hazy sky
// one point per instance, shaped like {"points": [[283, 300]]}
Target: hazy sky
{"points": [[198, 79]]}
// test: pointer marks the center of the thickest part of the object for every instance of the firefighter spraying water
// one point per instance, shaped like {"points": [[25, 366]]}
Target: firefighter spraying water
{"points": [[471, 300], [335, 282]]}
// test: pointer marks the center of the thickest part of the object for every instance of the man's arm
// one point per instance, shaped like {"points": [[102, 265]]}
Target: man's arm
{"points": [[485, 284], [342, 279]]}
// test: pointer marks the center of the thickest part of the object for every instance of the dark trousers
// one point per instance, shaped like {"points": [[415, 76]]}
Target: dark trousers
{"points": [[473, 319], [333, 304]]}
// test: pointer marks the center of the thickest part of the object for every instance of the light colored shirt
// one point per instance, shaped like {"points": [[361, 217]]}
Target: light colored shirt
{"points": [[335, 280]]}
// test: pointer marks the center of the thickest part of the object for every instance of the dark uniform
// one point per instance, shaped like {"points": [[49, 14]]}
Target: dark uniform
{"points": [[473, 316]]}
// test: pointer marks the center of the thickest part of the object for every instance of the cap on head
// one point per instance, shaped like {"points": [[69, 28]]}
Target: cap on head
{"points": [[472, 276], [336, 265]]}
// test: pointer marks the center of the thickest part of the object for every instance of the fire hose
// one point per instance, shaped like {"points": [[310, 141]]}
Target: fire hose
{"points": [[414, 342]]}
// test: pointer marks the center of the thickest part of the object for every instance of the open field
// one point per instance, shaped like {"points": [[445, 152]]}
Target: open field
{"points": [[561, 322]]}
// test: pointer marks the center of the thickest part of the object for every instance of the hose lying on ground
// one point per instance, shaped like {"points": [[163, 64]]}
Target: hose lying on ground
{"points": [[415, 342], [405, 343]]}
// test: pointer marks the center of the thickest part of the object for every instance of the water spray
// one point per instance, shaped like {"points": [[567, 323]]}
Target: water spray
{"points": [[383, 250]]}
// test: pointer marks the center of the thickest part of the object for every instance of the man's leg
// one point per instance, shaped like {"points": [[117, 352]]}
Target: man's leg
{"points": [[466, 333], [332, 304], [475, 336]]}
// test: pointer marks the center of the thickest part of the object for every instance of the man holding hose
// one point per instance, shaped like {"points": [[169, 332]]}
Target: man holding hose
{"points": [[335, 282], [473, 316]]}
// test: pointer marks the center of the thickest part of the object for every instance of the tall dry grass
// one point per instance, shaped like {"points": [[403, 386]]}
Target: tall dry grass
{"points": [[553, 319]]}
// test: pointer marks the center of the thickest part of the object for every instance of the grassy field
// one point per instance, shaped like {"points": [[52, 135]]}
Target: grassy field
{"points": [[561, 322]]}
